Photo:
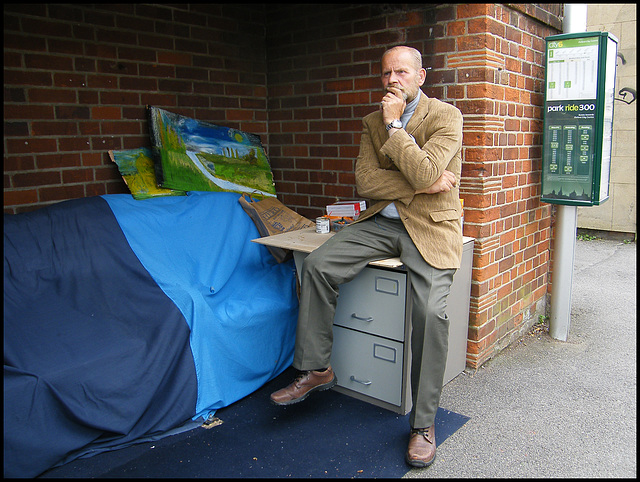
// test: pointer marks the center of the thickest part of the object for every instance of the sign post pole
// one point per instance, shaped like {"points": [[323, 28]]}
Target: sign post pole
{"points": [[566, 223], [561, 284]]}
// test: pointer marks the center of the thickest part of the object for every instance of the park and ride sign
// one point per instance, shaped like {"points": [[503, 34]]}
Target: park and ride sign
{"points": [[578, 117]]}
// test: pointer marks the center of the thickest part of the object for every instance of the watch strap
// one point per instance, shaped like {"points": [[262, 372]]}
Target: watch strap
{"points": [[395, 124]]}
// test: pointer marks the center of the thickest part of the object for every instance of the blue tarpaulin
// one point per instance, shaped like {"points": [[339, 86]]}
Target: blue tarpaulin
{"points": [[124, 319]]}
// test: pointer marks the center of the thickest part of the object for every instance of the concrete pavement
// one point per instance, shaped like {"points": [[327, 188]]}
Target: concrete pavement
{"points": [[547, 408]]}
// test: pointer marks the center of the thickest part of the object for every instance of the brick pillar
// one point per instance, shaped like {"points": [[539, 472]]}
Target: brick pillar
{"points": [[498, 60]]}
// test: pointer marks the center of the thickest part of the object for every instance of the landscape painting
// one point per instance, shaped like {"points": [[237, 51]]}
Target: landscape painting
{"points": [[138, 172], [192, 155]]}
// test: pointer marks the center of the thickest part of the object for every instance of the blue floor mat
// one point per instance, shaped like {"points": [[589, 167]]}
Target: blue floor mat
{"points": [[327, 435]]}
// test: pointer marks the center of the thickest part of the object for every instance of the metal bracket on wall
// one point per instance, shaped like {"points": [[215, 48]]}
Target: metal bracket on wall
{"points": [[623, 92]]}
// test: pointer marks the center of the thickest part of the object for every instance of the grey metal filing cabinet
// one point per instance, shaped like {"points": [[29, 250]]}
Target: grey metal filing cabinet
{"points": [[371, 333], [371, 336]]}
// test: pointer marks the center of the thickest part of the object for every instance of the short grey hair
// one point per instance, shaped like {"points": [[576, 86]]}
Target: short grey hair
{"points": [[415, 53]]}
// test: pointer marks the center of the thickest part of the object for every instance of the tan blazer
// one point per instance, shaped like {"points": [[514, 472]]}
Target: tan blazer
{"points": [[393, 168]]}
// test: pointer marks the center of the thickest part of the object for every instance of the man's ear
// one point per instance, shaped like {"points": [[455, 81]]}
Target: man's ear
{"points": [[422, 76]]}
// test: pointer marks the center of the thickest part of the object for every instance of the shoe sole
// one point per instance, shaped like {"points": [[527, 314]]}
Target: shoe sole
{"points": [[319, 388], [418, 463]]}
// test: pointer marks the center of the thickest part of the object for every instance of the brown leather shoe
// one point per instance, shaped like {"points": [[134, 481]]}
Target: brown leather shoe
{"points": [[422, 447], [304, 384]]}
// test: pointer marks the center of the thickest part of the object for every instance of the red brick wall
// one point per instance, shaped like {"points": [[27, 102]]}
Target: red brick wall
{"points": [[324, 77], [301, 76], [77, 80]]}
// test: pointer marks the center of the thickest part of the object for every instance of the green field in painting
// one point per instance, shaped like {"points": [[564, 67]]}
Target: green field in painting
{"points": [[180, 172], [254, 175]]}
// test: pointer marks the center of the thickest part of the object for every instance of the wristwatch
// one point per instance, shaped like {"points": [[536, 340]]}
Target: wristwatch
{"points": [[395, 124]]}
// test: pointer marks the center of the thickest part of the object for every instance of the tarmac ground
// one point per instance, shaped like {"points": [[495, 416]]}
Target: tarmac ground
{"points": [[549, 408]]}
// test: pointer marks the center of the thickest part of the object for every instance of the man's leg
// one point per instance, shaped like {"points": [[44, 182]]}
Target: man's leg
{"points": [[334, 263], [429, 342], [429, 346]]}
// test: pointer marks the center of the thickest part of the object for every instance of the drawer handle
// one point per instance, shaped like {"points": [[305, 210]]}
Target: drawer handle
{"points": [[365, 382], [361, 318]]}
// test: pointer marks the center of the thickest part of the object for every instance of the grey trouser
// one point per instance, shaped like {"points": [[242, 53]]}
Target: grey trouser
{"points": [[338, 261]]}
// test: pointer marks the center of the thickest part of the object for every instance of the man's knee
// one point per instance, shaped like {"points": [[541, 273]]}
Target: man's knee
{"points": [[312, 265]]}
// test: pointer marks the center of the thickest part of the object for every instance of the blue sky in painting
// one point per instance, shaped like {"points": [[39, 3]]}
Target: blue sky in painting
{"points": [[204, 137]]}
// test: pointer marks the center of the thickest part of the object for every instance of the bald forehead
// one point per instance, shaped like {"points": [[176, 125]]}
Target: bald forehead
{"points": [[415, 55]]}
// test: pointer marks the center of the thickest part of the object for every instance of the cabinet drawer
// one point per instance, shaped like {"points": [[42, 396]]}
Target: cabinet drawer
{"points": [[368, 364], [374, 302]]}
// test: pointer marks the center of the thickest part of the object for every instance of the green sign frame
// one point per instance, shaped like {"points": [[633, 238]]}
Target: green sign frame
{"points": [[578, 117]]}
